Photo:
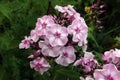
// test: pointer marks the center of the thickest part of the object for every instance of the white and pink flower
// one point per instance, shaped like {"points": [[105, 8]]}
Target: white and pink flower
{"points": [[61, 9], [34, 36], [48, 50], [88, 77], [67, 56], [117, 52], [87, 62], [43, 24], [109, 72], [54, 36], [25, 43], [112, 56], [57, 36], [109, 56], [40, 64], [79, 30]]}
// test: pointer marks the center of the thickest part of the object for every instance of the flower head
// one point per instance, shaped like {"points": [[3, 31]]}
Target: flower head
{"points": [[109, 72], [57, 36], [43, 24], [117, 53], [79, 30], [87, 62], [88, 77], [25, 43], [34, 36], [61, 9], [109, 56], [67, 56], [112, 56], [40, 64], [48, 50]]}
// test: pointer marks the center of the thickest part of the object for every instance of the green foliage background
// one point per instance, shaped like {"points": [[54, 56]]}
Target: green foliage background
{"points": [[18, 17]]}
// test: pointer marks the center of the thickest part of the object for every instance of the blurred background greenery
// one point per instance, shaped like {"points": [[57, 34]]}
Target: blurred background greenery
{"points": [[18, 17]]}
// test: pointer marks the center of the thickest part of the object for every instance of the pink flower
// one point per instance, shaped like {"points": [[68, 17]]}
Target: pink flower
{"points": [[67, 9], [68, 12], [71, 10], [77, 16], [87, 62], [25, 43], [61, 9], [70, 7], [43, 24], [79, 30], [117, 53], [67, 56], [57, 36], [40, 65], [88, 56], [72, 14], [109, 56], [88, 77], [112, 56], [34, 36], [48, 50], [83, 44], [109, 72]]}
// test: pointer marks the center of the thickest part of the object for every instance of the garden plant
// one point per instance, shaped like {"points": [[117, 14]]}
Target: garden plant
{"points": [[59, 40]]}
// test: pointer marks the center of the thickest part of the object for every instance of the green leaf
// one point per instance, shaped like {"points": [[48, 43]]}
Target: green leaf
{"points": [[69, 73], [5, 10], [98, 57], [91, 36], [2, 17], [2, 72], [117, 38], [112, 30], [7, 41], [63, 2], [91, 1]]}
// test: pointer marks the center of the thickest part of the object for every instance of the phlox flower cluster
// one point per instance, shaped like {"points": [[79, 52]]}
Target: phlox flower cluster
{"points": [[87, 62], [109, 70], [54, 38], [112, 56]]}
